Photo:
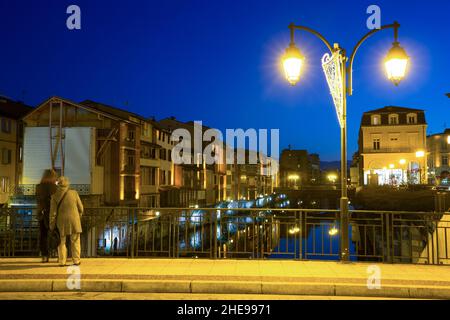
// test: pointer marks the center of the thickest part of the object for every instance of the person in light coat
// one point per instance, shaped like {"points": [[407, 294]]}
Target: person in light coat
{"points": [[67, 220]]}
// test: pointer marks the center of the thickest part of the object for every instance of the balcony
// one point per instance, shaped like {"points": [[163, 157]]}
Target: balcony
{"points": [[30, 189], [391, 150]]}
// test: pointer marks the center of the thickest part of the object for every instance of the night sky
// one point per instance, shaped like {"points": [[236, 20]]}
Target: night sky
{"points": [[218, 61]]}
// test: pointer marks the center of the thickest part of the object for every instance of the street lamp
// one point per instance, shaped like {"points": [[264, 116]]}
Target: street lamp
{"points": [[396, 61], [292, 64], [420, 154], [338, 69]]}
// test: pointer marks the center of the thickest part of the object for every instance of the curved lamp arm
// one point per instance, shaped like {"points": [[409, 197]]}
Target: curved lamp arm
{"points": [[395, 25], [293, 27]]}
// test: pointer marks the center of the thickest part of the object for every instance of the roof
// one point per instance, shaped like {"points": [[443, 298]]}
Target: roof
{"points": [[13, 109], [112, 110], [393, 109], [446, 132], [386, 111]]}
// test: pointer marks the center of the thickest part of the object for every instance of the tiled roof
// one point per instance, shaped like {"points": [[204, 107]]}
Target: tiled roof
{"points": [[13, 109], [112, 110]]}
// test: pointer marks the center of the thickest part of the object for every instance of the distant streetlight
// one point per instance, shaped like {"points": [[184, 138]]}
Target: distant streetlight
{"points": [[333, 231], [402, 161], [420, 154], [337, 68], [293, 178], [391, 166], [332, 177]]}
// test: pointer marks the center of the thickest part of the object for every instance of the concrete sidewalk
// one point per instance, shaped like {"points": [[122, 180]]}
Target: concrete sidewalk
{"points": [[227, 277]]}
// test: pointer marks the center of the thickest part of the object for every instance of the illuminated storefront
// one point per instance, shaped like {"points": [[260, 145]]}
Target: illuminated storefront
{"points": [[393, 176]]}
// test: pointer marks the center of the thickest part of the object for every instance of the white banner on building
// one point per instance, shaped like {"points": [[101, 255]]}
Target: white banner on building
{"points": [[77, 154]]}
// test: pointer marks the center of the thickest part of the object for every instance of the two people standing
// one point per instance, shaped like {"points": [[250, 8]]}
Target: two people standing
{"points": [[65, 210]]}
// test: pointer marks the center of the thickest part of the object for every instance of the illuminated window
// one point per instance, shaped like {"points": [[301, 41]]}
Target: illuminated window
{"points": [[376, 120], [4, 184]]}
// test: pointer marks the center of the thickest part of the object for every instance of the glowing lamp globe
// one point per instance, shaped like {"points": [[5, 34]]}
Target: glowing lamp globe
{"points": [[396, 63], [292, 64]]}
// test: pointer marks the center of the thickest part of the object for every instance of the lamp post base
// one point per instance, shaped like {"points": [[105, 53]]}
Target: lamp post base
{"points": [[344, 219]]}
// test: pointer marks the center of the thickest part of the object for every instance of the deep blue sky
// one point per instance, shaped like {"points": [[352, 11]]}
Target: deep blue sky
{"points": [[217, 61]]}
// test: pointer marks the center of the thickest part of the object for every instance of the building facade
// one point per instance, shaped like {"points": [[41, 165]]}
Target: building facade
{"points": [[11, 145], [438, 157], [298, 168], [392, 147], [115, 157]]}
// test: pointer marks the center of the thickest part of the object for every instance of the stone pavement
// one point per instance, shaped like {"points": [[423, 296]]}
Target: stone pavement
{"points": [[202, 276]]}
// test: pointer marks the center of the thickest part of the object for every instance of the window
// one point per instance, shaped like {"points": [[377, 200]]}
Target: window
{"points": [[411, 118], [147, 130], [393, 119], [162, 154], [445, 160], [376, 144], [394, 137], [4, 184], [145, 151], [148, 175], [130, 160], [131, 135], [376, 120], [6, 156], [162, 177], [6, 125], [145, 176], [169, 155]]}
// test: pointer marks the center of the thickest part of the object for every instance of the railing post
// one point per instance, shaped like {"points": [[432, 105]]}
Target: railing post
{"points": [[388, 238], [299, 222], [131, 215], [215, 235]]}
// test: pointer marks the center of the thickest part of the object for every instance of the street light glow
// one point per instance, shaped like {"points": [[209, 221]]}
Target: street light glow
{"points": [[448, 139], [292, 64], [293, 177], [333, 231], [402, 161], [420, 154], [396, 63], [332, 177]]}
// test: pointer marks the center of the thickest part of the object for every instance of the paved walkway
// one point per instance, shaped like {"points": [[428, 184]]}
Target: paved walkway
{"points": [[228, 277]]}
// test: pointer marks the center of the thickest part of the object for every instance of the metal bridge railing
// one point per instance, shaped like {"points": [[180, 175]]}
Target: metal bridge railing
{"points": [[263, 233]]}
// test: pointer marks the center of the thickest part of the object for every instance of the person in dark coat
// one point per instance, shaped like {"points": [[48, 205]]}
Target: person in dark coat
{"points": [[44, 192]]}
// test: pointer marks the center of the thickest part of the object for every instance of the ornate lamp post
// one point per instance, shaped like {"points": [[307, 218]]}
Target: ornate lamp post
{"points": [[337, 68]]}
